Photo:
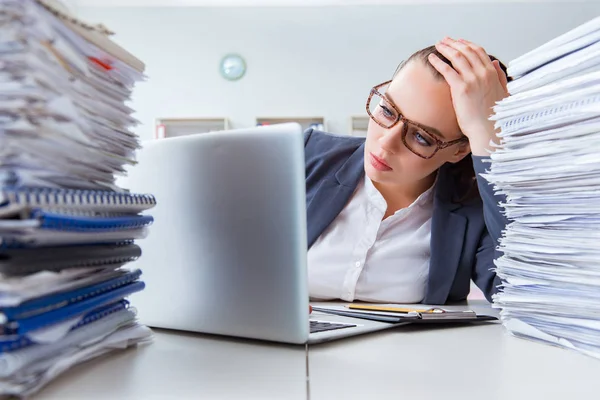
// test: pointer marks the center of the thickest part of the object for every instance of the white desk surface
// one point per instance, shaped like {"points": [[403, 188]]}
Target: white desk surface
{"points": [[188, 366], [458, 362]]}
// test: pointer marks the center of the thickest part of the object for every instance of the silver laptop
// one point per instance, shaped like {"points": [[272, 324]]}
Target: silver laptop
{"points": [[227, 252]]}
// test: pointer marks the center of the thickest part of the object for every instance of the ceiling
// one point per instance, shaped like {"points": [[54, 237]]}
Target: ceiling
{"points": [[276, 3]]}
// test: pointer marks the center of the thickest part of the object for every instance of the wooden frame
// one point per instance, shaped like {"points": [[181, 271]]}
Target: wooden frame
{"points": [[358, 125], [305, 122], [188, 126]]}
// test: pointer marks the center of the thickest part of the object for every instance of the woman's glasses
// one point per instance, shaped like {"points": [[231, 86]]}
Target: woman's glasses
{"points": [[416, 138]]}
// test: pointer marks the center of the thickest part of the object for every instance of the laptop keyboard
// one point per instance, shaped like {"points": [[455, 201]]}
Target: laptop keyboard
{"points": [[321, 326]]}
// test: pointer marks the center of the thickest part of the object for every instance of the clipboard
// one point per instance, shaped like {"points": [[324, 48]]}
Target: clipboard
{"points": [[397, 315]]}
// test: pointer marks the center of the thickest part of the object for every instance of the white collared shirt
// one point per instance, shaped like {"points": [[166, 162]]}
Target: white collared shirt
{"points": [[360, 257]]}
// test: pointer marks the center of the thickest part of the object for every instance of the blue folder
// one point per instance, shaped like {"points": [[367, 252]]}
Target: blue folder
{"points": [[60, 299], [73, 223], [17, 342], [21, 326]]}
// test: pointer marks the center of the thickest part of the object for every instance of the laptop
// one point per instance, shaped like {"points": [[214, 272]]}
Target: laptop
{"points": [[226, 254]]}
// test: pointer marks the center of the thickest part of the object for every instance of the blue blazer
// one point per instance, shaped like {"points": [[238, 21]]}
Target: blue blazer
{"points": [[464, 236]]}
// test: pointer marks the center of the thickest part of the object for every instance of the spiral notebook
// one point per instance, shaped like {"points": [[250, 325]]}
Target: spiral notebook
{"points": [[50, 238], [14, 201], [79, 304], [62, 299], [19, 262], [15, 342], [29, 360], [72, 223]]}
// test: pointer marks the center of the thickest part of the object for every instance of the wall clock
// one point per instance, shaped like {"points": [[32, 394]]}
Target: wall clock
{"points": [[232, 67]]}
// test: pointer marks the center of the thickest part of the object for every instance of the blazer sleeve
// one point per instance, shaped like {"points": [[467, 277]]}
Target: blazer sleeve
{"points": [[495, 221]]}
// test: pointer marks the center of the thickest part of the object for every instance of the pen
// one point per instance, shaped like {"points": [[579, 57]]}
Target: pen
{"points": [[392, 309]]}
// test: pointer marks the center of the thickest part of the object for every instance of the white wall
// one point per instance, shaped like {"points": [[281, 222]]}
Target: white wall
{"points": [[306, 61]]}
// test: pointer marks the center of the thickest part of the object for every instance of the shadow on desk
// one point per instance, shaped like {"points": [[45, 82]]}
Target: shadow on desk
{"points": [[413, 328], [122, 368], [234, 340], [181, 364], [188, 365], [425, 330]]}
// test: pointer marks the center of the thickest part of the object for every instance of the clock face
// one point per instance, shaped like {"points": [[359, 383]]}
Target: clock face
{"points": [[233, 67]]}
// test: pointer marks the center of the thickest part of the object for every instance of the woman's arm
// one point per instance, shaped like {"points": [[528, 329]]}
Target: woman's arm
{"points": [[476, 84]]}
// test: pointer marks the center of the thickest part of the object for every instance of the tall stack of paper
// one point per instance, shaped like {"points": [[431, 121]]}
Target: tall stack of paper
{"points": [[62, 108], [66, 230], [548, 167]]}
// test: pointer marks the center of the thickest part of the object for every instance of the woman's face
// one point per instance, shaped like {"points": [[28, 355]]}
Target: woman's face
{"points": [[425, 99]]}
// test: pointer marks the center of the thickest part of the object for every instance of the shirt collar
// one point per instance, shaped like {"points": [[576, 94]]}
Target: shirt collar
{"points": [[374, 195]]}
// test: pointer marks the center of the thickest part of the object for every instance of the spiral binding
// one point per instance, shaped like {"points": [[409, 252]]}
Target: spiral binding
{"points": [[103, 288], [75, 224], [555, 112], [83, 213], [93, 316], [99, 263], [96, 315], [79, 199], [8, 243]]}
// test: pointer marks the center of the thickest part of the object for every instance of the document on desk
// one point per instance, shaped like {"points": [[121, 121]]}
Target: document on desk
{"points": [[396, 314], [548, 170]]}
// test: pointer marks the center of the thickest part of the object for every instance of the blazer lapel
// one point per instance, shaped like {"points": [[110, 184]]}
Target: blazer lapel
{"points": [[333, 194], [447, 237]]}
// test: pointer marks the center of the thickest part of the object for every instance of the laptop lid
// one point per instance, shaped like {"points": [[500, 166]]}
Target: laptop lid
{"points": [[227, 252]]}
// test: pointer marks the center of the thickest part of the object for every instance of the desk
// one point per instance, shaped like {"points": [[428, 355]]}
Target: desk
{"points": [[420, 363], [449, 362], [187, 366]]}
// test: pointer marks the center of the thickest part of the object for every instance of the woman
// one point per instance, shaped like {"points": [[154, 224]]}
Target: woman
{"points": [[403, 216]]}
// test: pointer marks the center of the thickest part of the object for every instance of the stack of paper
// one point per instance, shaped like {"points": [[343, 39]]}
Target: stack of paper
{"points": [[62, 106], [66, 230], [548, 167]]}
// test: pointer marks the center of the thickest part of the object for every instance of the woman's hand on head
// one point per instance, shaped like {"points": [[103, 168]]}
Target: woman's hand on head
{"points": [[476, 84]]}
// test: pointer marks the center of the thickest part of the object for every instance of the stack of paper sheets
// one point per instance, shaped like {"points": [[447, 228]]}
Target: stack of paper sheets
{"points": [[57, 86], [66, 230], [548, 167]]}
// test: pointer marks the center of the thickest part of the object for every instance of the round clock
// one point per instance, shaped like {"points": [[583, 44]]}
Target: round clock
{"points": [[232, 67]]}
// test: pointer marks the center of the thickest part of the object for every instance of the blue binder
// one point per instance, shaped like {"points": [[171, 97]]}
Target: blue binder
{"points": [[73, 223], [16, 342], [25, 325], [57, 300]]}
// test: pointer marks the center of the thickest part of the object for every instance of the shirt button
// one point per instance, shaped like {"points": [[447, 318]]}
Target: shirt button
{"points": [[357, 264]]}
